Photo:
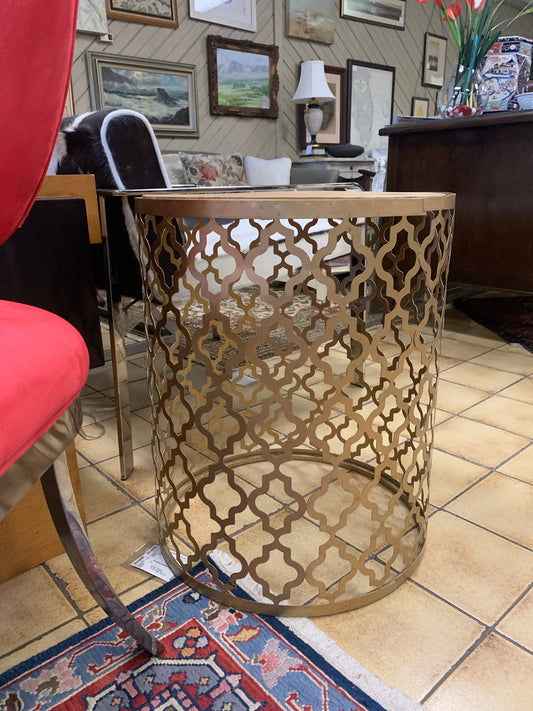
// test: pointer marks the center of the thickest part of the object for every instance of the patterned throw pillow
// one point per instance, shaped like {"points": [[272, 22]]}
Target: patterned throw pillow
{"points": [[213, 168]]}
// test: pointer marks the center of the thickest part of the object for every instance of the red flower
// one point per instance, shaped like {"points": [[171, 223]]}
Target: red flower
{"points": [[454, 11]]}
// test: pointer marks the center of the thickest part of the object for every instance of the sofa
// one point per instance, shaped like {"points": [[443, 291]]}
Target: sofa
{"points": [[216, 169]]}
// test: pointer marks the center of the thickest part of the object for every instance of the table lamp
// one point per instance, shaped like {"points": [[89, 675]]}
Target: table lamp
{"points": [[312, 88]]}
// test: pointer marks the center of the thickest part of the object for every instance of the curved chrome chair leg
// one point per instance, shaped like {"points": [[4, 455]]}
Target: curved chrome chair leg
{"points": [[60, 498]]}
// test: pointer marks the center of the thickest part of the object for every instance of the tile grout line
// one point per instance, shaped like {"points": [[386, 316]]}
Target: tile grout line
{"points": [[489, 629]]}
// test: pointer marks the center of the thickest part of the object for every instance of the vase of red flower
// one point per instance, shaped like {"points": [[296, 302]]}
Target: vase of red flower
{"points": [[475, 26], [464, 93]]}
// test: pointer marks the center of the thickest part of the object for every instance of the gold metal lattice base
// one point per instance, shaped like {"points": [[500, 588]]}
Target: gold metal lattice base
{"points": [[292, 440]]}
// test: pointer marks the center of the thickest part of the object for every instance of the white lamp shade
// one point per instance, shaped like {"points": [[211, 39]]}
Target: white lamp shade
{"points": [[313, 84]]}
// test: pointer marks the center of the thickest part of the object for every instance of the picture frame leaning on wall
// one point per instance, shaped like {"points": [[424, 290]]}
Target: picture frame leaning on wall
{"points": [[164, 92], [243, 78], [370, 102], [419, 107]]}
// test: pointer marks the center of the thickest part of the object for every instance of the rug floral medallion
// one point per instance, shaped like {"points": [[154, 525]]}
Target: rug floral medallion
{"points": [[218, 659]]}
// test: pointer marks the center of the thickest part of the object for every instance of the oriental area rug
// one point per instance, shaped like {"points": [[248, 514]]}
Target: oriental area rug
{"points": [[511, 317], [215, 659]]}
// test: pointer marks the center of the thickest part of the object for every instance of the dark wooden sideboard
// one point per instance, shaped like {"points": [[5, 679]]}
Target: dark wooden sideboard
{"points": [[488, 162]]}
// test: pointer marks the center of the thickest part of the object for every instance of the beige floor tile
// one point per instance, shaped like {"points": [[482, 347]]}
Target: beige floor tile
{"points": [[476, 570], [441, 416], [97, 407], [114, 540], [496, 676], [500, 504], [100, 496], [409, 639], [446, 363], [515, 348], [141, 482], [472, 333], [518, 623], [41, 644], [476, 441], [502, 412], [479, 376], [450, 476], [508, 361], [101, 378], [106, 446], [453, 348], [31, 605], [453, 397], [520, 466], [522, 390], [138, 391]]}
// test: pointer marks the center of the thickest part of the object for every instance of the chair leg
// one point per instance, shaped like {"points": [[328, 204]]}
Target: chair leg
{"points": [[60, 498]]}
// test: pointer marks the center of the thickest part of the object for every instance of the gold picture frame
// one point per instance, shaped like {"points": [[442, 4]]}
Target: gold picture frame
{"points": [[233, 91]]}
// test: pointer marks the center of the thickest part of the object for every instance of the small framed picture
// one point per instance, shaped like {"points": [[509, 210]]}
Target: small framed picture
{"points": [[236, 13], [389, 13], [314, 21], [243, 78], [434, 60], [162, 12], [419, 107]]}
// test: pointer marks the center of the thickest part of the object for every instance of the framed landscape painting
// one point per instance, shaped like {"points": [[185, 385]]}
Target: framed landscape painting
{"points": [[236, 13], [149, 12], [389, 13], [311, 20], [243, 78], [370, 103], [164, 92], [333, 131]]}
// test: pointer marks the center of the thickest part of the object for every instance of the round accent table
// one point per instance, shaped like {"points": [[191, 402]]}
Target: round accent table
{"points": [[292, 403]]}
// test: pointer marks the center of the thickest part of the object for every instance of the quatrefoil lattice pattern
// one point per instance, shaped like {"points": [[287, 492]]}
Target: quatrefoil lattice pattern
{"points": [[294, 359]]}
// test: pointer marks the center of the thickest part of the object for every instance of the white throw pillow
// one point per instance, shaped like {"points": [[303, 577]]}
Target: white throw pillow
{"points": [[259, 171]]}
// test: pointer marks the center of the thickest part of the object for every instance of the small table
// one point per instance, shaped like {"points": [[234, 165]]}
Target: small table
{"points": [[274, 470]]}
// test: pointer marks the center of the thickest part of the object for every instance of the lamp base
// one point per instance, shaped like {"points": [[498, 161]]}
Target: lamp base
{"points": [[314, 150], [313, 122]]}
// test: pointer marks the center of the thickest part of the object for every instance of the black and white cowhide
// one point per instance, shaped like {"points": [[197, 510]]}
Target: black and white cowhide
{"points": [[79, 149]]}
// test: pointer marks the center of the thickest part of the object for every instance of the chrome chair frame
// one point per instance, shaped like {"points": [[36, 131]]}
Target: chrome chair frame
{"points": [[46, 461]]}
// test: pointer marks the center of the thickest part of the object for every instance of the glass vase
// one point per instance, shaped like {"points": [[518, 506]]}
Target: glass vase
{"points": [[464, 93]]}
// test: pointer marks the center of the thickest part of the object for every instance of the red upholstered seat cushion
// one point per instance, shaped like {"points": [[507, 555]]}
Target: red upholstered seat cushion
{"points": [[43, 367]]}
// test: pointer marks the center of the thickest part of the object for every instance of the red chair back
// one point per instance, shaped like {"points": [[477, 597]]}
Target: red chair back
{"points": [[36, 59]]}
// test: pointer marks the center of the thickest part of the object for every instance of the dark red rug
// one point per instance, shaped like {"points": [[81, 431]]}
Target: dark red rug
{"points": [[509, 317]]}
